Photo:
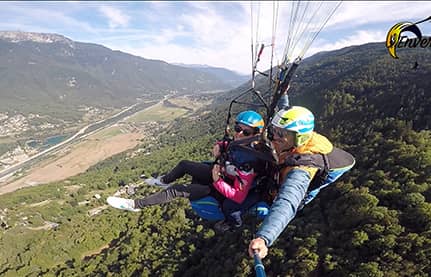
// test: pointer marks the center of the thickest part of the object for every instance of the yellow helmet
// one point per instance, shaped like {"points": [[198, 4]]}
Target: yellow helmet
{"points": [[298, 120]]}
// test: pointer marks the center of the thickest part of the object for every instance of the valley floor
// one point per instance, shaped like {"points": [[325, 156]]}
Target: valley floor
{"points": [[77, 159], [120, 137]]}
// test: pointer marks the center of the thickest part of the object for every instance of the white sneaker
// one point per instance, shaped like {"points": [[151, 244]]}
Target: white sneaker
{"points": [[122, 203], [156, 182]]}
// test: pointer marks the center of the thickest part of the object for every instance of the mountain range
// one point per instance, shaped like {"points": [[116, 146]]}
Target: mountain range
{"points": [[49, 72]]}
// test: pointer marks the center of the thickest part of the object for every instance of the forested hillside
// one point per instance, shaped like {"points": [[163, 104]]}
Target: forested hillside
{"points": [[49, 73], [375, 221]]}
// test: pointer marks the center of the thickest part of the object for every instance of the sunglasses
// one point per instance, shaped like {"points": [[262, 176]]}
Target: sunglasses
{"points": [[245, 132], [280, 132]]}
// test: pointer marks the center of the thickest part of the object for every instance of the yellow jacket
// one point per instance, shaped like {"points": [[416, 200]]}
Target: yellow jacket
{"points": [[316, 144]]}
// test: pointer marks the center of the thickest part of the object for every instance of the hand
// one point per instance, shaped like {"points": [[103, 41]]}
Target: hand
{"points": [[258, 246], [216, 172], [216, 151]]}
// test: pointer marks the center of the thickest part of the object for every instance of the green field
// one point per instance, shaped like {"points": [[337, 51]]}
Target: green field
{"points": [[4, 140], [6, 144], [109, 132], [157, 112]]}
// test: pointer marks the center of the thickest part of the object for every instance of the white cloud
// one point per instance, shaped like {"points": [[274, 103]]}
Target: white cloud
{"points": [[233, 59], [115, 16], [357, 38], [207, 37], [356, 13], [208, 28], [29, 16]]}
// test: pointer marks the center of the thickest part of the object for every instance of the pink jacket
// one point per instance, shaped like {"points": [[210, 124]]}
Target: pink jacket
{"points": [[238, 192]]}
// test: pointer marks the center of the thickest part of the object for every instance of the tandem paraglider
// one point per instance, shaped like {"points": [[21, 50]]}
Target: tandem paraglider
{"points": [[271, 163]]}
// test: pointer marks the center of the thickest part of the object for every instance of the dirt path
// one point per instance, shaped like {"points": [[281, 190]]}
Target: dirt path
{"points": [[48, 226], [79, 159], [43, 203], [97, 210], [88, 254]]}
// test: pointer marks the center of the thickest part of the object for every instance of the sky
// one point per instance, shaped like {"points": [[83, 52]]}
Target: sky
{"points": [[218, 34]]}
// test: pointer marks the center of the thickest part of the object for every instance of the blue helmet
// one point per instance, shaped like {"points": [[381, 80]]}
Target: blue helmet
{"points": [[250, 118]]}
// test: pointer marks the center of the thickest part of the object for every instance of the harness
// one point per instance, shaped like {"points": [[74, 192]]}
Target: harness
{"points": [[330, 167]]}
